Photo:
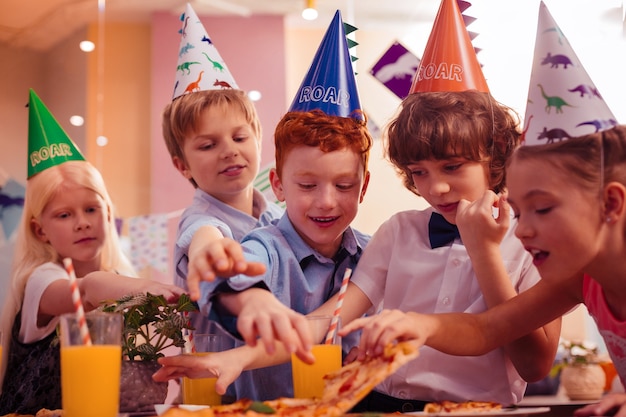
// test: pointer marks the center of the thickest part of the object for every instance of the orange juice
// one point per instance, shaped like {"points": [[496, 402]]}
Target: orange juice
{"points": [[200, 391], [90, 380], [308, 380]]}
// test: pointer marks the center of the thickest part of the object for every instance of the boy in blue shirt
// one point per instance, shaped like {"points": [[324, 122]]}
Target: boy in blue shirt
{"points": [[213, 136], [308, 250]]}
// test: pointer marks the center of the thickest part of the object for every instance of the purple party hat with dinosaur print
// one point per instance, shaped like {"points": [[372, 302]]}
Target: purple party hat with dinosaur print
{"points": [[562, 101], [330, 84], [200, 66]]}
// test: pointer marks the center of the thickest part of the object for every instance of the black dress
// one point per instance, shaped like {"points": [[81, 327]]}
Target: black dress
{"points": [[33, 377]]}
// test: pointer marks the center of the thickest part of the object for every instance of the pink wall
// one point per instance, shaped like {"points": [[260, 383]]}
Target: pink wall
{"points": [[253, 49]]}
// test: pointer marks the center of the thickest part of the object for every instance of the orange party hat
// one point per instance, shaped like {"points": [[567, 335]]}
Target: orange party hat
{"points": [[449, 62]]}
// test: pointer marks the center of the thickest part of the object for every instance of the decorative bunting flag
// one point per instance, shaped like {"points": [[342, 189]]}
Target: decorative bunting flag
{"points": [[395, 69], [262, 184], [149, 242], [11, 206]]}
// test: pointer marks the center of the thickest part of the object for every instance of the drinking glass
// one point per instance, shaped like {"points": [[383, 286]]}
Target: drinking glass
{"points": [[90, 374], [201, 391], [308, 380]]}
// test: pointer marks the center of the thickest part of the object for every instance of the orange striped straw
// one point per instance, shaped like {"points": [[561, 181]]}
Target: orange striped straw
{"points": [[342, 294], [78, 304]]}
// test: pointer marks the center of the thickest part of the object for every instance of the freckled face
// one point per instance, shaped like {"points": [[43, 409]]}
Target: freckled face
{"points": [[322, 193], [558, 223]]}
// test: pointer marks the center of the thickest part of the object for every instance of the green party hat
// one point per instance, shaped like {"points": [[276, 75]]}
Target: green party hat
{"points": [[48, 144]]}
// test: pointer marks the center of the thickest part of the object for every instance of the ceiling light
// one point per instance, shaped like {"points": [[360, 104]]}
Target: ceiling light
{"points": [[87, 46], [309, 12], [102, 140], [77, 120]]}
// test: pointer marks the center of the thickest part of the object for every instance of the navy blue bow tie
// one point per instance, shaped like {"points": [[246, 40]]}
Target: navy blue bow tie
{"points": [[440, 232]]}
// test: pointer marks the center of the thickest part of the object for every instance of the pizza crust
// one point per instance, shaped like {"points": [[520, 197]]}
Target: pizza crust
{"points": [[462, 407]]}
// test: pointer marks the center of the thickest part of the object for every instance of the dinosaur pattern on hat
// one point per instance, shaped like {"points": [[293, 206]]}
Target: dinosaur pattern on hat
{"points": [[562, 102], [200, 66]]}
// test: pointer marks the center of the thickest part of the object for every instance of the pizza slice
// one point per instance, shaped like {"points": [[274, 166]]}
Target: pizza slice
{"points": [[350, 384], [462, 407], [343, 390]]}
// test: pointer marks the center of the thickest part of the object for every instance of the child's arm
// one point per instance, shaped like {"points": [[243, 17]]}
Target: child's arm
{"points": [[96, 287], [465, 334], [226, 365], [533, 354], [212, 255], [260, 314]]}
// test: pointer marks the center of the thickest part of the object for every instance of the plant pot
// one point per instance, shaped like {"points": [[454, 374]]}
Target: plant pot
{"points": [[138, 391], [583, 381]]}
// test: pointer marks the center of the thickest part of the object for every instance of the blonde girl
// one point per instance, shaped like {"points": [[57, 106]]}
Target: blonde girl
{"points": [[67, 214]]}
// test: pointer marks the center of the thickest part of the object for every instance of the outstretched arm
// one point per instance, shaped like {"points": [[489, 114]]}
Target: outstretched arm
{"points": [[212, 255], [482, 234], [466, 334]]}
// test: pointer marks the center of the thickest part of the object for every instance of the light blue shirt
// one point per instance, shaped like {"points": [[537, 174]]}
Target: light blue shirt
{"points": [[208, 210], [300, 278]]}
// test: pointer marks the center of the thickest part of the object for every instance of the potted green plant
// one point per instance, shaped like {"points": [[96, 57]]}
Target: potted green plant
{"points": [[151, 325], [582, 377]]}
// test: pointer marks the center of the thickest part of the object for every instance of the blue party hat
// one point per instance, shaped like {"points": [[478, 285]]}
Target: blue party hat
{"points": [[330, 84], [563, 102]]}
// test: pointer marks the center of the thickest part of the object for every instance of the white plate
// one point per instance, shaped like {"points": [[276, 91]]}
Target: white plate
{"points": [[162, 408], [520, 411]]}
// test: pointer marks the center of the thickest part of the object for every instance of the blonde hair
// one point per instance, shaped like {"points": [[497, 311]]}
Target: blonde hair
{"points": [[181, 116], [31, 252]]}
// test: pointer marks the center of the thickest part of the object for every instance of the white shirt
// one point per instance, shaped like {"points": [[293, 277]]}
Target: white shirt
{"points": [[399, 269], [39, 280]]}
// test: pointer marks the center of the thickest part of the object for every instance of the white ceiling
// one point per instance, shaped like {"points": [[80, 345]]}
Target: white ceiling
{"points": [[40, 24]]}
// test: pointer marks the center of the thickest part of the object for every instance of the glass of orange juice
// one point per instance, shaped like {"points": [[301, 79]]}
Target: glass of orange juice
{"points": [[308, 380], [201, 391], [90, 374]]}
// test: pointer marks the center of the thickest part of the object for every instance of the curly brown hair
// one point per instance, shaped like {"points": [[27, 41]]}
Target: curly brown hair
{"points": [[328, 133], [442, 125]]}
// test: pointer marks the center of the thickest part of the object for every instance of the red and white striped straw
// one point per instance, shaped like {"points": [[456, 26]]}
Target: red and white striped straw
{"points": [[335, 320], [78, 304], [190, 345]]}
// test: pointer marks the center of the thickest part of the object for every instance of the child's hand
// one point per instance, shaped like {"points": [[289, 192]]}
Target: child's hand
{"points": [[477, 224], [384, 328], [611, 404], [263, 316], [217, 364], [221, 258], [100, 285]]}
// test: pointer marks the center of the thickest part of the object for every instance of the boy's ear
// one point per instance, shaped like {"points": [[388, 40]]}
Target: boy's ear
{"points": [[181, 166], [277, 185], [614, 200], [38, 231], [366, 182]]}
